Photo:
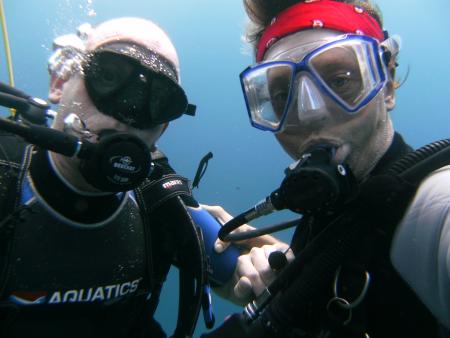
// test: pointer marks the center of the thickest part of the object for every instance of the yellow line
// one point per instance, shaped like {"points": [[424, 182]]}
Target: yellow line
{"points": [[6, 42], [7, 47]]}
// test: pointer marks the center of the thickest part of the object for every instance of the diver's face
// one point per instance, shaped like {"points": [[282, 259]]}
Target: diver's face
{"points": [[75, 100], [356, 137]]}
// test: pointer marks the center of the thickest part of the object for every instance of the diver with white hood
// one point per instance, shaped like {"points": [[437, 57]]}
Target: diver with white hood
{"points": [[92, 214]]}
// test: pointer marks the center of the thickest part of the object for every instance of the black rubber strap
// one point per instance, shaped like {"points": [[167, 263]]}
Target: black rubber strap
{"points": [[158, 191]]}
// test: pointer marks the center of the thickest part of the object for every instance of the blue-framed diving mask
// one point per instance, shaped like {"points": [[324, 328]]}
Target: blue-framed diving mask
{"points": [[345, 73]]}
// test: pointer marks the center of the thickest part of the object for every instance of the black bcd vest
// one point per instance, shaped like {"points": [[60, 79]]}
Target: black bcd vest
{"points": [[388, 308], [162, 248]]}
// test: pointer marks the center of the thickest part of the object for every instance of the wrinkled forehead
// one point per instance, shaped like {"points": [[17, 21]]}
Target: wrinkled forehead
{"points": [[296, 46]]}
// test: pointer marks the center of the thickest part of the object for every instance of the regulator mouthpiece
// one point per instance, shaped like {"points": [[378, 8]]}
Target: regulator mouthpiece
{"points": [[314, 183]]}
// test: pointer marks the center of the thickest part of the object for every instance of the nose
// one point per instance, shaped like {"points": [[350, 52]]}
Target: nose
{"points": [[310, 101]]}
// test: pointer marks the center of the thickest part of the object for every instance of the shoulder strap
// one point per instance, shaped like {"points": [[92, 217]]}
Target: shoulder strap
{"points": [[161, 199], [163, 189], [163, 184], [13, 156], [14, 175], [144, 200]]}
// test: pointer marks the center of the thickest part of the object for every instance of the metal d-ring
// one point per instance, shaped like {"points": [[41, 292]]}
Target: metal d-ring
{"points": [[343, 304], [350, 305]]}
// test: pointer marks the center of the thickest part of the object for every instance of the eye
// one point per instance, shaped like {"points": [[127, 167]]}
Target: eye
{"points": [[278, 84], [142, 78], [279, 99], [346, 84], [340, 81], [108, 77], [108, 72]]}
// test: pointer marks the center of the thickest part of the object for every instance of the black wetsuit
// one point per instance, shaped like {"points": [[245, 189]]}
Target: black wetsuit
{"points": [[77, 263]]}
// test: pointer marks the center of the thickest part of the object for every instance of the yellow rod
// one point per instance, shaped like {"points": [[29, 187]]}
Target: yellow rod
{"points": [[6, 42]]}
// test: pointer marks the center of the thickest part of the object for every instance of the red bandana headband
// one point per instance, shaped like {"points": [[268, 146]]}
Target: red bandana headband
{"points": [[327, 14]]}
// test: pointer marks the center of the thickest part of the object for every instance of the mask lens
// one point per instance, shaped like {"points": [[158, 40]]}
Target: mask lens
{"points": [[167, 100], [267, 92], [348, 71], [106, 73], [124, 89]]}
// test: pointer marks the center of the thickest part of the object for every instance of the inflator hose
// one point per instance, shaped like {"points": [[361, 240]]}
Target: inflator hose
{"points": [[411, 168]]}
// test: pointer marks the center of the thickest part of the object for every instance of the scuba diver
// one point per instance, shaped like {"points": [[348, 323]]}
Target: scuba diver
{"points": [[372, 248], [92, 216]]}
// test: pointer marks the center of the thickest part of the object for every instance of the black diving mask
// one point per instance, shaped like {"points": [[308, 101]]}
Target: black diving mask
{"points": [[134, 85]]}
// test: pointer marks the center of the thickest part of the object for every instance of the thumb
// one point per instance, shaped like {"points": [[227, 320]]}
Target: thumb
{"points": [[220, 246], [243, 289]]}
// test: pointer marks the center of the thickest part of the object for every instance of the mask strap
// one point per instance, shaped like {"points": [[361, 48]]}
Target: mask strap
{"points": [[391, 47]]}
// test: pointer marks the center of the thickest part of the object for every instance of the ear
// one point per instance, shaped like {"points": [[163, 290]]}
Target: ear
{"points": [[389, 97], [164, 128], [55, 90]]}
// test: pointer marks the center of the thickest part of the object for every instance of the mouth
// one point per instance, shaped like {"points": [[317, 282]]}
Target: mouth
{"points": [[340, 151]]}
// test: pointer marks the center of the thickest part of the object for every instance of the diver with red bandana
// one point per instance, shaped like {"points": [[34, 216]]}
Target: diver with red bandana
{"points": [[372, 248]]}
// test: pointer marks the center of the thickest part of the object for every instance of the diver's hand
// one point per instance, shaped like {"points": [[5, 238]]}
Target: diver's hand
{"points": [[253, 272], [223, 217]]}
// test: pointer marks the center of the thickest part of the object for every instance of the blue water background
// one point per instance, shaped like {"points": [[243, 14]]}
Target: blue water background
{"points": [[248, 164]]}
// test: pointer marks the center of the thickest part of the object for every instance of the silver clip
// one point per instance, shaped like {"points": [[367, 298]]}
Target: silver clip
{"points": [[350, 305], [342, 303], [73, 124]]}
